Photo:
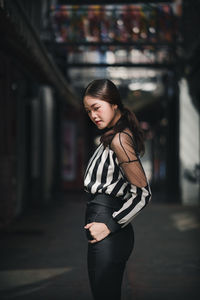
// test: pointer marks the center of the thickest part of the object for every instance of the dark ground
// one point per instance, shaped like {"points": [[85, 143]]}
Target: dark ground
{"points": [[43, 254]]}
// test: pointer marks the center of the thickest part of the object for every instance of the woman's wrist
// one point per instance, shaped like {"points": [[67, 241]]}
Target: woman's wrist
{"points": [[112, 225]]}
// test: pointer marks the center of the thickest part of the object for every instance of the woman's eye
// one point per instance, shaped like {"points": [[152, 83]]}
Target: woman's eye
{"points": [[94, 109]]}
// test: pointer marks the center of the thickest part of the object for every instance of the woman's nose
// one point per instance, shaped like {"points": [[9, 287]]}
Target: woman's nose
{"points": [[93, 115]]}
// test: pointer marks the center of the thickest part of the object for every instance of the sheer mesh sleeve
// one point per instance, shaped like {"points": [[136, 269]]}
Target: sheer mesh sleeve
{"points": [[122, 145], [139, 193]]}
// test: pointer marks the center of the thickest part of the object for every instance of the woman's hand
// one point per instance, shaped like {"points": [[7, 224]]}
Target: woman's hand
{"points": [[98, 231]]}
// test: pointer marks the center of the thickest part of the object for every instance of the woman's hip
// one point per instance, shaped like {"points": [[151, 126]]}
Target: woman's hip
{"points": [[116, 246]]}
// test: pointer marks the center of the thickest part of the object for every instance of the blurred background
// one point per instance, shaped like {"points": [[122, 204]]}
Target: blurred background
{"points": [[50, 50]]}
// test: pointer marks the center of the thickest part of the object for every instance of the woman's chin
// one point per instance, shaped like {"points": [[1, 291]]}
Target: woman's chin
{"points": [[101, 126]]}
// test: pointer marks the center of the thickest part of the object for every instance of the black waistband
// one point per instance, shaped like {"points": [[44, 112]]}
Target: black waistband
{"points": [[105, 200]]}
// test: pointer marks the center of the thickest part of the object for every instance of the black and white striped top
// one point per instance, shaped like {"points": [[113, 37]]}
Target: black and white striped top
{"points": [[117, 171]]}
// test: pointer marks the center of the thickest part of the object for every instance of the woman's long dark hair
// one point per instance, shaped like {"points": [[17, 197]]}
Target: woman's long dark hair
{"points": [[106, 90]]}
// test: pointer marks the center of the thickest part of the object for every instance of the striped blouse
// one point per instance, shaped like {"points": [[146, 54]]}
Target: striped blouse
{"points": [[116, 170]]}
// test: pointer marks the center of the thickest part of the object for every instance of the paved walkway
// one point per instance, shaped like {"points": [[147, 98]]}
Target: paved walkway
{"points": [[43, 254]]}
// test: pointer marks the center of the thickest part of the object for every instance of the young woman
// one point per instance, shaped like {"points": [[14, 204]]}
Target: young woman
{"points": [[116, 186]]}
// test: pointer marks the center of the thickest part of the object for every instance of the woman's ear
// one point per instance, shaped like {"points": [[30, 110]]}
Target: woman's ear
{"points": [[115, 106]]}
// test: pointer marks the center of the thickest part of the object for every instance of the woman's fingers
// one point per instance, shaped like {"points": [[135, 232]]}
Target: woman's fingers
{"points": [[98, 238], [87, 226], [92, 241], [98, 231]]}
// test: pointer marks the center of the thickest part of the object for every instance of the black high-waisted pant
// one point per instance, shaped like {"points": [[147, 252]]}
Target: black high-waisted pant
{"points": [[107, 258]]}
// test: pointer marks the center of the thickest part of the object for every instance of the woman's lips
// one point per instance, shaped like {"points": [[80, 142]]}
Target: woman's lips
{"points": [[97, 122]]}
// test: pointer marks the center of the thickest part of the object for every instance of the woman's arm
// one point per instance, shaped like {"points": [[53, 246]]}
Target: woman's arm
{"points": [[122, 145]]}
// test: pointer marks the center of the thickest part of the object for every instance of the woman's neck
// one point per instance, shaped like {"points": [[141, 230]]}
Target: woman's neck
{"points": [[115, 119]]}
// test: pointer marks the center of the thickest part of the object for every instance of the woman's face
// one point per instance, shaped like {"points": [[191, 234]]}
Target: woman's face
{"points": [[102, 113]]}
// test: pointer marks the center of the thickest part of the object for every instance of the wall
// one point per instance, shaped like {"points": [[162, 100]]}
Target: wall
{"points": [[189, 147]]}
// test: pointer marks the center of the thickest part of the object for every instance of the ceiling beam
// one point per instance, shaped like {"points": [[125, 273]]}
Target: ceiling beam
{"points": [[114, 2], [125, 65], [114, 43]]}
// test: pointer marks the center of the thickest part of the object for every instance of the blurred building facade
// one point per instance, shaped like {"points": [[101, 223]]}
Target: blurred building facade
{"points": [[189, 107], [34, 96], [52, 49]]}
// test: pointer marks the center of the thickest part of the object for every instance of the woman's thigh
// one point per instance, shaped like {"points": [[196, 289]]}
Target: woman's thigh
{"points": [[106, 263], [116, 247]]}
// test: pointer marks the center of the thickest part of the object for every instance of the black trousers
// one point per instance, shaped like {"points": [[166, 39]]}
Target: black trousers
{"points": [[107, 258]]}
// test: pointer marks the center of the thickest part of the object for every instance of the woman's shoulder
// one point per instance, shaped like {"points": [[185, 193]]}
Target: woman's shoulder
{"points": [[122, 138]]}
